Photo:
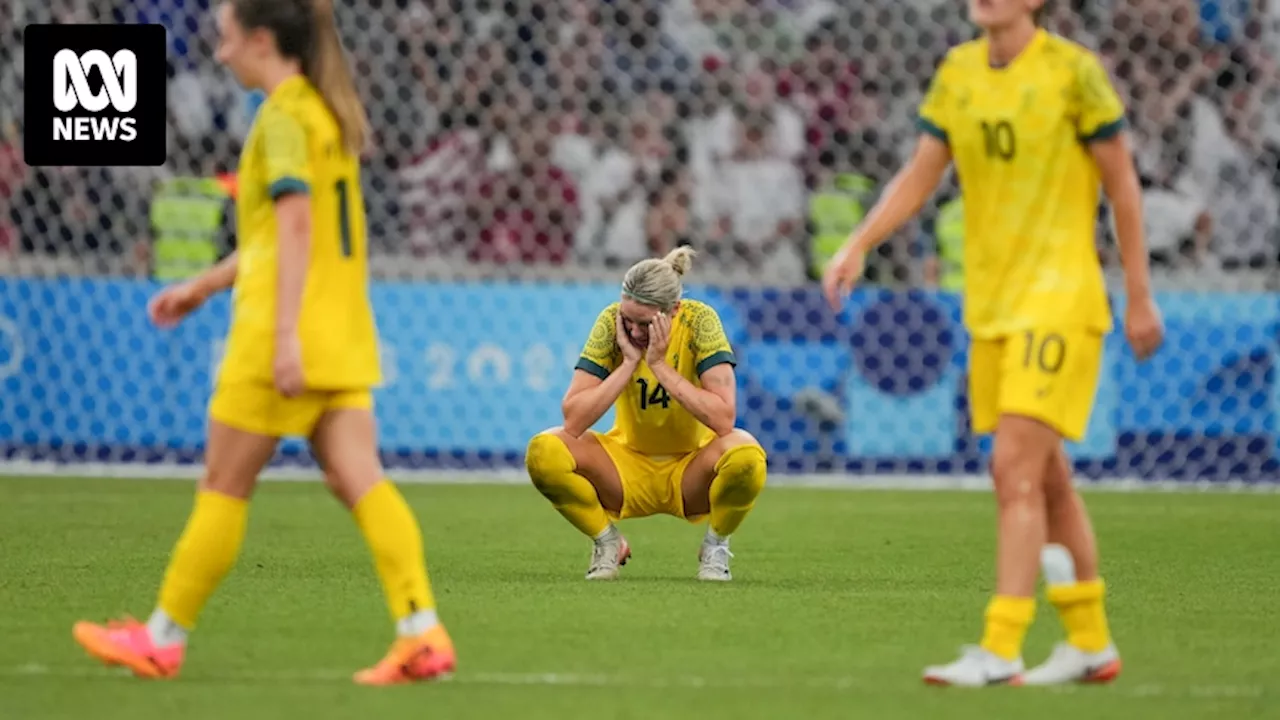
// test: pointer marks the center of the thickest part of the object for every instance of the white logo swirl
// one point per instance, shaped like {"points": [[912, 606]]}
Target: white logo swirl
{"points": [[119, 80]]}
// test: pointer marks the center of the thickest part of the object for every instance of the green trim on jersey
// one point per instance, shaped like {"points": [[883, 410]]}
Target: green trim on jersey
{"points": [[286, 186], [724, 357], [586, 365], [1105, 132], [928, 127]]}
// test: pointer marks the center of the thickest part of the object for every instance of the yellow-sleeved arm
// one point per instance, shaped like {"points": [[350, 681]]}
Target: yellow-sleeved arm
{"points": [[601, 354], [1100, 114], [710, 344], [934, 114], [285, 153]]}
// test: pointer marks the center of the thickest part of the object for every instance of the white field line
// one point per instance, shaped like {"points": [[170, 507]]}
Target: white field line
{"points": [[970, 483], [579, 680]]}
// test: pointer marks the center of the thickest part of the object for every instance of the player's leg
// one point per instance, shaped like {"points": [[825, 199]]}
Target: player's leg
{"points": [[203, 555], [722, 480], [580, 479], [345, 443], [1070, 564], [1010, 612]]}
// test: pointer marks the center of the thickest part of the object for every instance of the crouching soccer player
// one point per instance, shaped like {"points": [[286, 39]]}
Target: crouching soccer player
{"points": [[668, 367]]}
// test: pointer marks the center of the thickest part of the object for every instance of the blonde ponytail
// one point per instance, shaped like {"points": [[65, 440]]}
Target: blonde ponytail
{"points": [[659, 283], [680, 259], [329, 72]]}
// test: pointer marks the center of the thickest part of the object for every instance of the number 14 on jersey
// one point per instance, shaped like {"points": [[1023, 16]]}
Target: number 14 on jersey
{"points": [[659, 396]]}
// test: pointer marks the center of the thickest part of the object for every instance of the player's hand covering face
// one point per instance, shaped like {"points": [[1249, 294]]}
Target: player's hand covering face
{"points": [[659, 340], [630, 351], [637, 320]]}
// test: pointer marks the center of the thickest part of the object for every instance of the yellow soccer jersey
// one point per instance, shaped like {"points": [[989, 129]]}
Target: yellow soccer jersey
{"points": [[648, 419], [1019, 137], [295, 146]]}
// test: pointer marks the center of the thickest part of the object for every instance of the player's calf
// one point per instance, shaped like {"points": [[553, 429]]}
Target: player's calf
{"points": [[1088, 655], [739, 478]]}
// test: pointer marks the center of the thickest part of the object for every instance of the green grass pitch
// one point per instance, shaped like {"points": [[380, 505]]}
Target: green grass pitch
{"points": [[840, 599]]}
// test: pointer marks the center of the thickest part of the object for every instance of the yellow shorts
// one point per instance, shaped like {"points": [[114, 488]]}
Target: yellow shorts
{"points": [[260, 409], [1047, 375], [651, 484]]}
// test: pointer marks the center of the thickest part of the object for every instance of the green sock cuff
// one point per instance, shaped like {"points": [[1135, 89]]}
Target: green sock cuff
{"points": [[1087, 591]]}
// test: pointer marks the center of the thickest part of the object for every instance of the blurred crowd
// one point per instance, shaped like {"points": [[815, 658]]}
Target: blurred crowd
{"points": [[591, 133]]}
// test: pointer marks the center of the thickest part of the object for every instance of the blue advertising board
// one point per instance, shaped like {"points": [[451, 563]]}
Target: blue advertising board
{"points": [[473, 370]]}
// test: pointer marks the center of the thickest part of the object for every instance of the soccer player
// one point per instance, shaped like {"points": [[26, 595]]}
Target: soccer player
{"points": [[1034, 128], [666, 365], [301, 354]]}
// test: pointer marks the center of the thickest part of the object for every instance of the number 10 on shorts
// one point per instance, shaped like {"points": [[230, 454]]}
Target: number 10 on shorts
{"points": [[1046, 351]]}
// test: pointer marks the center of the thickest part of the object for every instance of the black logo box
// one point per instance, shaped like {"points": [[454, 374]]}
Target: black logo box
{"points": [[148, 42]]}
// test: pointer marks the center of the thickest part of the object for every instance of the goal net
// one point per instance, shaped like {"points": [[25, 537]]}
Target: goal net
{"points": [[527, 151]]}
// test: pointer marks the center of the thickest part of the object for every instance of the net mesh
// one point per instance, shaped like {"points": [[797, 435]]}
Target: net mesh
{"points": [[527, 151]]}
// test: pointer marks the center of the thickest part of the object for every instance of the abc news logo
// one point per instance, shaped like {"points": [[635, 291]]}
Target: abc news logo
{"points": [[71, 90], [95, 95]]}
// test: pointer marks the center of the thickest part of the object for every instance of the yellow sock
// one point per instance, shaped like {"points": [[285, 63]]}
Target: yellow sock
{"points": [[552, 469], [394, 538], [1007, 621], [740, 476], [1081, 608], [205, 552]]}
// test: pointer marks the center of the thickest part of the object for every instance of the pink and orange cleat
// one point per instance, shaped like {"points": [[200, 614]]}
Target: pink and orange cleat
{"points": [[127, 643], [429, 656]]}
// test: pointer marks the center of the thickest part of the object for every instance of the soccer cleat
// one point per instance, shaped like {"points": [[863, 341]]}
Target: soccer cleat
{"points": [[1069, 664], [607, 556], [714, 563], [127, 642], [976, 668], [428, 656]]}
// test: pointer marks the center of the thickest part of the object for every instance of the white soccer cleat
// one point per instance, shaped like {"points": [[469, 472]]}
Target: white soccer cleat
{"points": [[1069, 664], [976, 668], [713, 563], [607, 557]]}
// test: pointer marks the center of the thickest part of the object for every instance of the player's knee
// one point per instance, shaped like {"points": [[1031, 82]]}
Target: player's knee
{"points": [[1018, 479], [546, 458], [743, 470], [226, 481]]}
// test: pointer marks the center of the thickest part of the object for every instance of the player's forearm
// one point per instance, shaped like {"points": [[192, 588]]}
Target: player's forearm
{"points": [[710, 409], [1126, 203], [581, 410], [293, 257], [219, 277], [902, 199]]}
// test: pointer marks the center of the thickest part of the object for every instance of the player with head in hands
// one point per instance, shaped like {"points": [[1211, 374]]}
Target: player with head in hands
{"points": [[665, 364]]}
